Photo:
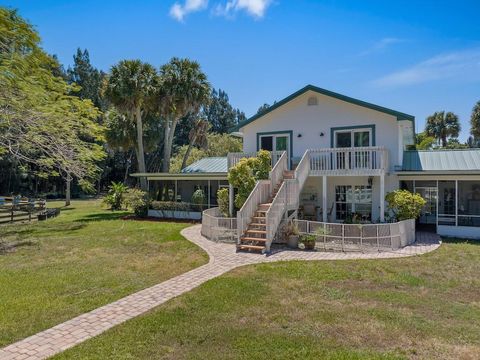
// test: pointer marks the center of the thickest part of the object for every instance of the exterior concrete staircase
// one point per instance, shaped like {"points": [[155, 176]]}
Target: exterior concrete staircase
{"points": [[254, 238]]}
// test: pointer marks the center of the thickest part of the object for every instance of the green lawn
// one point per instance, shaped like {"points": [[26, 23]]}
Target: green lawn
{"points": [[85, 258], [425, 307]]}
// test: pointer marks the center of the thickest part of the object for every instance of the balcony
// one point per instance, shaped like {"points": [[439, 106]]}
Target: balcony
{"points": [[361, 161]]}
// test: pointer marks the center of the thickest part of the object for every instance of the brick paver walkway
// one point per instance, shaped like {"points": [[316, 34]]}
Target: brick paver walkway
{"points": [[222, 259]]}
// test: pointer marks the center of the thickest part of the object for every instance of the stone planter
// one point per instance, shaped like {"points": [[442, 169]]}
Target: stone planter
{"points": [[292, 241], [309, 245]]}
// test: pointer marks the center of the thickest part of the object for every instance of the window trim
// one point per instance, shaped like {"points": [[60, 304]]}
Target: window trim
{"points": [[289, 133], [334, 130]]}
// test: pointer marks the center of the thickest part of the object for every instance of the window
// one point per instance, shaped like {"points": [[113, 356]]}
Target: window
{"points": [[353, 200], [446, 203], [278, 142], [353, 138]]}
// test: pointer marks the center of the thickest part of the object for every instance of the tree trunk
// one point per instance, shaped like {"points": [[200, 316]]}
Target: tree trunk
{"points": [[167, 146], [444, 141], [185, 157], [140, 153], [67, 191], [127, 168]]}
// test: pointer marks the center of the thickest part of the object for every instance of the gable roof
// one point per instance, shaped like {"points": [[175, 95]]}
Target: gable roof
{"points": [[208, 165], [441, 160], [397, 114]]}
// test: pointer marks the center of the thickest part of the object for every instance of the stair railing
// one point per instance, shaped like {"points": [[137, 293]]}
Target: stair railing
{"points": [[259, 195], [276, 174], [275, 214]]}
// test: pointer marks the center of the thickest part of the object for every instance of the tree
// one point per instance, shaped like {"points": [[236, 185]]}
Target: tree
{"points": [[197, 136], [443, 125], [131, 87], [475, 124], [218, 145], [455, 144], [424, 142], [221, 114], [41, 123], [262, 109], [88, 78], [184, 90]]}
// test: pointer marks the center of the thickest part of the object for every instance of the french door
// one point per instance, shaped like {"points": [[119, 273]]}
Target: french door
{"points": [[277, 142], [353, 138]]}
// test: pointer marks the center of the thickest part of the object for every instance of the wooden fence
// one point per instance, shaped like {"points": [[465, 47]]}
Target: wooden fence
{"points": [[16, 209]]}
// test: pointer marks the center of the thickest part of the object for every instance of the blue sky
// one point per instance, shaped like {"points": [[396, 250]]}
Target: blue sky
{"points": [[413, 56]]}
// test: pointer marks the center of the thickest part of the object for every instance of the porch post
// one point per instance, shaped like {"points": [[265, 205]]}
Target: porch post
{"points": [[324, 198], [230, 199], [209, 190], [176, 191], [382, 198]]}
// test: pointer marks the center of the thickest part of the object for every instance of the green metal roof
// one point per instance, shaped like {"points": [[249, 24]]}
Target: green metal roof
{"points": [[397, 114], [208, 165], [441, 160]]}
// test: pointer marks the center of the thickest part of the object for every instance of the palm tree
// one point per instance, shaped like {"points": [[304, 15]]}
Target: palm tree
{"points": [[442, 125], [184, 90], [197, 136], [131, 87], [475, 124]]}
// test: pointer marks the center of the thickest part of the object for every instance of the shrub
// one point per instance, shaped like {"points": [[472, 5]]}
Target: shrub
{"points": [[244, 175], [170, 206], [223, 200], [115, 195], [404, 205], [138, 201], [198, 198]]}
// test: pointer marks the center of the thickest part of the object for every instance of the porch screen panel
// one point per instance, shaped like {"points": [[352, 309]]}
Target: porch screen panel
{"points": [[446, 203], [469, 203]]}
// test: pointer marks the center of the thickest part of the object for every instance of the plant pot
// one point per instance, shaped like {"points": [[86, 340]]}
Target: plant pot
{"points": [[292, 241], [309, 245]]}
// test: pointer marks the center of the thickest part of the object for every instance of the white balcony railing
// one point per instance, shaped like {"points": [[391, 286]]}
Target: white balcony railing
{"points": [[348, 161], [234, 158]]}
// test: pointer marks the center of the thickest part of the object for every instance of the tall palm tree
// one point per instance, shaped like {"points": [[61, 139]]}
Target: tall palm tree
{"points": [[443, 125], [131, 87], [198, 135], [475, 124], [184, 90]]}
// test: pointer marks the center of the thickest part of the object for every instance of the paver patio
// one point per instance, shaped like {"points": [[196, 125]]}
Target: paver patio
{"points": [[223, 258]]}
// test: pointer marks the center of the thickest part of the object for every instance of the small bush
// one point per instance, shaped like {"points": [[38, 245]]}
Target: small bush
{"points": [[199, 198], [223, 201], [115, 195], [404, 205], [138, 201]]}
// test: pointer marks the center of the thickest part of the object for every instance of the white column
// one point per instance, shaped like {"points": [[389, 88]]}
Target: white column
{"points": [[209, 190], [176, 191], [324, 198], [382, 197], [230, 200]]}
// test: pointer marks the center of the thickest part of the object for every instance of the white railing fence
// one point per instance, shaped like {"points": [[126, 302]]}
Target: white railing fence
{"points": [[259, 195], [351, 159], [234, 158], [359, 237], [218, 228]]}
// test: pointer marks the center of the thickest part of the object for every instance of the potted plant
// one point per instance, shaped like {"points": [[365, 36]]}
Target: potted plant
{"points": [[292, 235], [308, 241]]}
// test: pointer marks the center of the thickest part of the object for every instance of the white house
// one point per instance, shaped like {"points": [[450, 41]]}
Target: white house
{"points": [[345, 155]]}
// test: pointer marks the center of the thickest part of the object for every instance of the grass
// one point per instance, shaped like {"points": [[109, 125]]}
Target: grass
{"points": [[88, 256], [425, 307]]}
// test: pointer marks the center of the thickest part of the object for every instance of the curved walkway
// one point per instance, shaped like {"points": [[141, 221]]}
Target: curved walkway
{"points": [[223, 258]]}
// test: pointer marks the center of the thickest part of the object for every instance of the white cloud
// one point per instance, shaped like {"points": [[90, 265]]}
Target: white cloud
{"points": [[461, 65], [179, 11], [382, 44], [255, 8]]}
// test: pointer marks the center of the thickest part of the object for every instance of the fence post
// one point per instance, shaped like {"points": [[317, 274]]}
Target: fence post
{"points": [[343, 237], [378, 240]]}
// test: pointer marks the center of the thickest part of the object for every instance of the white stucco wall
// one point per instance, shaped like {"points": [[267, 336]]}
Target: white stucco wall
{"points": [[310, 121]]}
